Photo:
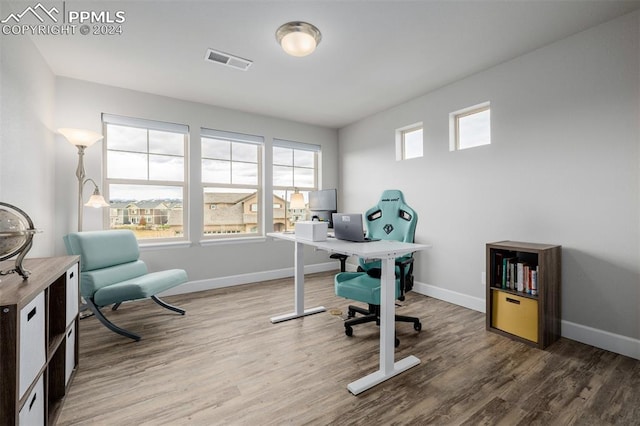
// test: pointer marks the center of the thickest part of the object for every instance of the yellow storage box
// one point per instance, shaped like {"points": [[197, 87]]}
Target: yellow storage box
{"points": [[515, 315]]}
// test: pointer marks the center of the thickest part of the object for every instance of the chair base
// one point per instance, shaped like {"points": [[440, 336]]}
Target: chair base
{"points": [[373, 314], [121, 331]]}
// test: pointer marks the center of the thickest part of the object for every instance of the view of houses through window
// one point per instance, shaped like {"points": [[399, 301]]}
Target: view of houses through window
{"points": [[284, 217], [295, 168], [145, 176], [231, 169], [148, 216], [234, 212], [146, 180]]}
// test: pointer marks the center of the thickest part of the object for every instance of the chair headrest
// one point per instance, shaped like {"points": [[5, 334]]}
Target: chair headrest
{"points": [[391, 218], [393, 197]]}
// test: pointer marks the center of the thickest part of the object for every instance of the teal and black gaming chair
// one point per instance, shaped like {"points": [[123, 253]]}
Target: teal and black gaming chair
{"points": [[390, 219]]}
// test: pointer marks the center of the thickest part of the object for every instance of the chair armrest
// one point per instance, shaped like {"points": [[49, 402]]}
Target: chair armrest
{"points": [[403, 264]]}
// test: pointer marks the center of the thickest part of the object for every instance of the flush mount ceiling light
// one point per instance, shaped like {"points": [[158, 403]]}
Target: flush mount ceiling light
{"points": [[298, 38]]}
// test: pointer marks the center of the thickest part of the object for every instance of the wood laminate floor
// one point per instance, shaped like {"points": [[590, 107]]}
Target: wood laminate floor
{"points": [[224, 363]]}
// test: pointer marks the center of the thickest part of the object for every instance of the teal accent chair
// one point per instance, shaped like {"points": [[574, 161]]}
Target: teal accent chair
{"points": [[390, 219], [111, 272]]}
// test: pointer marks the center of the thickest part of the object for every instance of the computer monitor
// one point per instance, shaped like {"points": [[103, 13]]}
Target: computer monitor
{"points": [[322, 204], [325, 199]]}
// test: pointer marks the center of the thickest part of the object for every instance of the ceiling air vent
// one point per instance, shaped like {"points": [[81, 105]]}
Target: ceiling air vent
{"points": [[227, 59]]}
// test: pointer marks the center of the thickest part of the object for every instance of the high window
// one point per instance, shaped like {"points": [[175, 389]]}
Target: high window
{"points": [[145, 180], [232, 186], [470, 127], [295, 170], [409, 142]]}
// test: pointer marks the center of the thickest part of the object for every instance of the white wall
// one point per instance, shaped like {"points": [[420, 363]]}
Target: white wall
{"points": [[562, 168], [27, 176], [80, 104]]}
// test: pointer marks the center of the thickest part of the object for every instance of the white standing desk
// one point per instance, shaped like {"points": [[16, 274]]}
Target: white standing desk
{"points": [[387, 252]]}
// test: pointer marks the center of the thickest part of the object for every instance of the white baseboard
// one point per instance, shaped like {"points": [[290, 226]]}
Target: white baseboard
{"points": [[601, 339], [450, 296], [591, 336], [213, 283], [619, 344]]}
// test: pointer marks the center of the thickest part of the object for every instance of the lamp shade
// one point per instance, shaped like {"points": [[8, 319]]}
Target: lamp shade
{"points": [[80, 137], [96, 201], [298, 38], [297, 201]]}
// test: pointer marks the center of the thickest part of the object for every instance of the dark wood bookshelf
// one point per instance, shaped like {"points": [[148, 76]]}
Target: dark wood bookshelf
{"points": [[533, 319]]}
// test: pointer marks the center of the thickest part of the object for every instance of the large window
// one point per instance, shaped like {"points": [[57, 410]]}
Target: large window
{"points": [[146, 167], [470, 127], [295, 170], [231, 170]]}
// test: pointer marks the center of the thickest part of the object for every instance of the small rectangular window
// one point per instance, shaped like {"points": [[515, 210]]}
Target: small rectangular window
{"points": [[409, 142], [470, 127]]}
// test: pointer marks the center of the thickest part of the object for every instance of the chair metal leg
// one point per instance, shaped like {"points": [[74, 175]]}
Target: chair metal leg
{"points": [[116, 306], [168, 306], [111, 326]]}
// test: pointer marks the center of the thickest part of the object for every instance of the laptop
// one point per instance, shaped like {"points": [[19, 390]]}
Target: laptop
{"points": [[349, 227]]}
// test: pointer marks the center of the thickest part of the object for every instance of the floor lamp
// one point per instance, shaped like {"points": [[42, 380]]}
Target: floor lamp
{"points": [[83, 139]]}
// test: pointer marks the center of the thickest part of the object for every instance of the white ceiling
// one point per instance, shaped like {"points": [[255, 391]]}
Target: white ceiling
{"points": [[373, 54]]}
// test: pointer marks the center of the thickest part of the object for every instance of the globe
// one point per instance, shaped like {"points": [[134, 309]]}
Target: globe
{"points": [[16, 234]]}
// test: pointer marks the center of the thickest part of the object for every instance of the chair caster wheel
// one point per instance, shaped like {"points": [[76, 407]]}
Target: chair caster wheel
{"points": [[397, 342], [348, 330], [351, 314], [417, 326]]}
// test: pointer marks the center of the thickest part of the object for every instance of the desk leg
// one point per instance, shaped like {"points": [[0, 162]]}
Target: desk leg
{"points": [[388, 368], [299, 290]]}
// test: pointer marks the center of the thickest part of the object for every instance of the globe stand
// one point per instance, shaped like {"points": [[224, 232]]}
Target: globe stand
{"points": [[16, 237]]}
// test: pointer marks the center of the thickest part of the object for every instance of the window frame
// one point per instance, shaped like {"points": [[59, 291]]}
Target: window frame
{"points": [[401, 149], [454, 125], [239, 138], [300, 146], [148, 125]]}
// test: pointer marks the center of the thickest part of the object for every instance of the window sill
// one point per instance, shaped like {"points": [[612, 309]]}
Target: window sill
{"points": [[240, 240], [164, 245]]}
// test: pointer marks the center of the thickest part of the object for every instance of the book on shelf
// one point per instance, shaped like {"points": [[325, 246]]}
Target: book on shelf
{"points": [[508, 272], [513, 273], [520, 276], [534, 281], [497, 265]]}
